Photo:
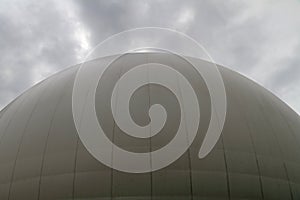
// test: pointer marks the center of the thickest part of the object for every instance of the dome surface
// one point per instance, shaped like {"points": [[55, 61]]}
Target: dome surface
{"points": [[256, 157]]}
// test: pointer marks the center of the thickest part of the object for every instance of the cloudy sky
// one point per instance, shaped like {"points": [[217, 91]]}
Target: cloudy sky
{"points": [[260, 39]]}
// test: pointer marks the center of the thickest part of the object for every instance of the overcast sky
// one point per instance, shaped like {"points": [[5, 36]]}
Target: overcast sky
{"points": [[260, 39]]}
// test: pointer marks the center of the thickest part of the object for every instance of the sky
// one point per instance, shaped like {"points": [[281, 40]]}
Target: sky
{"points": [[259, 39]]}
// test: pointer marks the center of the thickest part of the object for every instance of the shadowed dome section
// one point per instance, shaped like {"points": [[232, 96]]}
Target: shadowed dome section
{"points": [[257, 156]]}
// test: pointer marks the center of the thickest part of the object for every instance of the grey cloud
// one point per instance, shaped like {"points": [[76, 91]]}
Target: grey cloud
{"points": [[33, 36], [286, 81], [288, 75], [239, 34], [103, 18]]}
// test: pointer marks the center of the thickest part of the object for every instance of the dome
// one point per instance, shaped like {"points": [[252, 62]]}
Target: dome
{"points": [[42, 156]]}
